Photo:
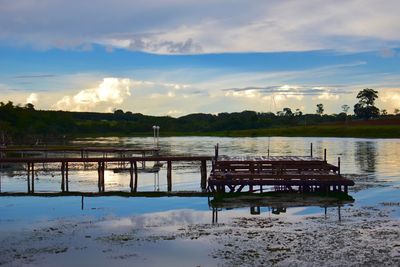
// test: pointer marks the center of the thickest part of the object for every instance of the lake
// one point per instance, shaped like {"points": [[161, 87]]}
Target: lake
{"points": [[180, 231]]}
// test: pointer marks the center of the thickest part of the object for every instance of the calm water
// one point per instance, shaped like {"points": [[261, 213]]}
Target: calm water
{"points": [[374, 161], [373, 164]]}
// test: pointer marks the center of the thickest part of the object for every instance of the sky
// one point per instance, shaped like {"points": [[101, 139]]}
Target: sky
{"points": [[176, 57]]}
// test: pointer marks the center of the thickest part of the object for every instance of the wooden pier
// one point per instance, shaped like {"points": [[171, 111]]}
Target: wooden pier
{"points": [[228, 174], [64, 164], [301, 174]]}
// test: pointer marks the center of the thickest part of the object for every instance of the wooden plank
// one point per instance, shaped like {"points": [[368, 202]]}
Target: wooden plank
{"points": [[66, 177], [62, 176], [131, 176], [28, 177], [136, 176], [216, 182], [115, 159], [33, 177]]}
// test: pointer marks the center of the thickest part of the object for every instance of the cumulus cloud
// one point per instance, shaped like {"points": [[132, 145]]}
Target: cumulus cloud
{"points": [[327, 96], [202, 26], [32, 98], [390, 98], [109, 91]]}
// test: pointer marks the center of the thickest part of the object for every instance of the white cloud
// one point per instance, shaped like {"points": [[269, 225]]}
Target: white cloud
{"points": [[109, 91], [327, 96], [202, 26], [174, 112], [32, 98], [390, 99]]}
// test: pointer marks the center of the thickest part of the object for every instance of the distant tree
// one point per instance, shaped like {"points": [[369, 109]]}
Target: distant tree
{"points": [[345, 108], [397, 111], [384, 112], [320, 109], [30, 106], [298, 112], [280, 113], [287, 112], [365, 107]]}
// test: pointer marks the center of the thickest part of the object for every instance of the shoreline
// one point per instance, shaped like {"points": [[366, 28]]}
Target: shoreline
{"points": [[337, 131]]}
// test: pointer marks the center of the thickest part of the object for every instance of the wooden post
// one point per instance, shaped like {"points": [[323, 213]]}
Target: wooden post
{"points": [[311, 150], [216, 151], [66, 177], [62, 176], [102, 177], [136, 176], [33, 177], [28, 179], [99, 176], [169, 176], [203, 170], [131, 176], [85, 163], [338, 165], [325, 154]]}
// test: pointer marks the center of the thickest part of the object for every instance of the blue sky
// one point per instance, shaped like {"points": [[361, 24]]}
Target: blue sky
{"points": [[178, 57]]}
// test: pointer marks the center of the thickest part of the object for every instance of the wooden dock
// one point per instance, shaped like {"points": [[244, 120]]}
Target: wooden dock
{"points": [[301, 174], [228, 174], [64, 167]]}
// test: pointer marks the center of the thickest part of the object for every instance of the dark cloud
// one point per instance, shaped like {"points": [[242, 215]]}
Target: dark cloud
{"points": [[144, 44], [35, 76], [294, 90]]}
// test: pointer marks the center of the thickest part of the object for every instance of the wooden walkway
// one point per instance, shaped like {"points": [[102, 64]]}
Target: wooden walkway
{"points": [[64, 164]]}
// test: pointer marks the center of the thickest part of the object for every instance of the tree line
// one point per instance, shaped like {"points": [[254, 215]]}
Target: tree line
{"points": [[24, 124]]}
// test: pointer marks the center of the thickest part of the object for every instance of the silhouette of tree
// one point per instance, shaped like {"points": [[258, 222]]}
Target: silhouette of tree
{"points": [[30, 106], [298, 112], [365, 107], [345, 108], [320, 109], [287, 112]]}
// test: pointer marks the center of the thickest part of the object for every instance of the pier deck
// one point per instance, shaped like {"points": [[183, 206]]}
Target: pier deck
{"points": [[304, 174]]}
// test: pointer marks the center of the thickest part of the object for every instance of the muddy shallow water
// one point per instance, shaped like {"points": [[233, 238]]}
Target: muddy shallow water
{"points": [[183, 231]]}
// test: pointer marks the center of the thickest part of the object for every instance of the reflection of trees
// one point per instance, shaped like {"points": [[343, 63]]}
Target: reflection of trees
{"points": [[365, 155]]}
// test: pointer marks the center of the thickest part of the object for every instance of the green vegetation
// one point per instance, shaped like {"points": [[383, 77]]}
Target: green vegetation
{"points": [[25, 125]]}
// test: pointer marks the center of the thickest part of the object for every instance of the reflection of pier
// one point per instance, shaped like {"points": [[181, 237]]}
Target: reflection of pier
{"points": [[277, 203], [276, 211]]}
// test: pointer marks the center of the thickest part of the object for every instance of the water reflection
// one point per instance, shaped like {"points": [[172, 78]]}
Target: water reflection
{"points": [[366, 156], [274, 205]]}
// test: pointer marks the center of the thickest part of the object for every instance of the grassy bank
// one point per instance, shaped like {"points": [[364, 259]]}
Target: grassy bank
{"points": [[357, 131]]}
